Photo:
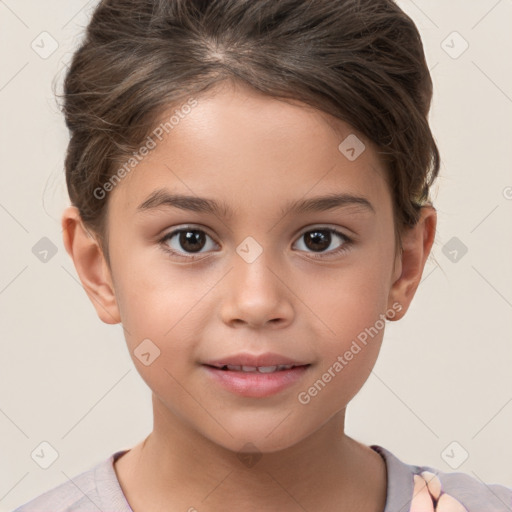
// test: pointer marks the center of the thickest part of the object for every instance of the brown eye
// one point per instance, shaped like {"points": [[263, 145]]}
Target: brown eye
{"points": [[320, 239], [191, 241], [317, 240], [186, 241]]}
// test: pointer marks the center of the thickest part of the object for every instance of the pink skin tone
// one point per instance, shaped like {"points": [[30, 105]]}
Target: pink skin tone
{"points": [[256, 154]]}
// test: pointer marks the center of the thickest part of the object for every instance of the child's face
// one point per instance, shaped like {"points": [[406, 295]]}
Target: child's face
{"points": [[297, 298]]}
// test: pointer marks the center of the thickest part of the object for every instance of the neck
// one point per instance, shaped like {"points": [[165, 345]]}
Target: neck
{"points": [[177, 466]]}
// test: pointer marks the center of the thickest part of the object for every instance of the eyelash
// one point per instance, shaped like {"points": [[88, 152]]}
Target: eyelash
{"points": [[348, 242]]}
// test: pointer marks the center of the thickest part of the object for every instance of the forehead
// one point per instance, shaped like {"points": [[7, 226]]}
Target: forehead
{"points": [[251, 150]]}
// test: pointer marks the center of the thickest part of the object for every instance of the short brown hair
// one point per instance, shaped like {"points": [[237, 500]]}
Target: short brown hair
{"points": [[361, 61]]}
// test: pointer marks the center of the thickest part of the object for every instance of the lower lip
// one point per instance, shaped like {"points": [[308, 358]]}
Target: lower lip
{"points": [[255, 384]]}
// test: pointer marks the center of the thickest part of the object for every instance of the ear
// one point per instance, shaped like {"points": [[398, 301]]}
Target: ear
{"points": [[90, 265], [417, 243]]}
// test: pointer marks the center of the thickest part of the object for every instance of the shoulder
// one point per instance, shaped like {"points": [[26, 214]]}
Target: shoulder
{"points": [[77, 494], [90, 491], [428, 488]]}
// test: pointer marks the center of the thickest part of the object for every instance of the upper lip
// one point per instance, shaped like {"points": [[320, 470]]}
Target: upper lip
{"points": [[246, 359]]}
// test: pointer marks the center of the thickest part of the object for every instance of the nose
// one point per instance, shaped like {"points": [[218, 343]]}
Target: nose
{"points": [[256, 294]]}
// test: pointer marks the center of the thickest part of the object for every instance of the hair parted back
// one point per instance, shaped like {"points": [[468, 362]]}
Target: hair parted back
{"points": [[361, 61]]}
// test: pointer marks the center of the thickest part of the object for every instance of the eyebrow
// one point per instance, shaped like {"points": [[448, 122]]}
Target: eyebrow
{"points": [[163, 198]]}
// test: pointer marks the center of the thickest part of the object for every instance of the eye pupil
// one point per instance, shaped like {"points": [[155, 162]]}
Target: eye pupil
{"points": [[318, 237], [189, 239]]}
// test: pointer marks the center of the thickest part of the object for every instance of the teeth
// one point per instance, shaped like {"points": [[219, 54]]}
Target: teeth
{"points": [[267, 369], [260, 369]]}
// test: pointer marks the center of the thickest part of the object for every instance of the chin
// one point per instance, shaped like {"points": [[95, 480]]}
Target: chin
{"points": [[257, 442]]}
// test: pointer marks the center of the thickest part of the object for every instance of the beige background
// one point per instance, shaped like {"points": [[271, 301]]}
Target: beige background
{"points": [[444, 371]]}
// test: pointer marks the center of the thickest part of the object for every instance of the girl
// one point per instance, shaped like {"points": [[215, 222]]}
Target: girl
{"points": [[289, 141]]}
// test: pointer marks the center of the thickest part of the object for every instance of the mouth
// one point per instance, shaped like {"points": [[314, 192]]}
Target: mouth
{"points": [[256, 381], [257, 369]]}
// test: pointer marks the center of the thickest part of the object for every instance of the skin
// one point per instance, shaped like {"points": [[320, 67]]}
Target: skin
{"points": [[255, 153]]}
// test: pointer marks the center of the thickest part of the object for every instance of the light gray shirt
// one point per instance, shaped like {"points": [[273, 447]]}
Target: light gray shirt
{"points": [[409, 489]]}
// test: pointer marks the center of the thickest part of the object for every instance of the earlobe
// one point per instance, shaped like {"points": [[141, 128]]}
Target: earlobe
{"points": [[90, 265], [417, 243]]}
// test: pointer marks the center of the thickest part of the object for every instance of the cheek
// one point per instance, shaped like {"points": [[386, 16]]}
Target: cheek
{"points": [[351, 304], [152, 290], [340, 378], [159, 316], [351, 298], [155, 301], [349, 349]]}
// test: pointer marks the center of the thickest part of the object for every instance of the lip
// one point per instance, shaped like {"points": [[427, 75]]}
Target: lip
{"points": [[247, 359], [255, 384]]}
